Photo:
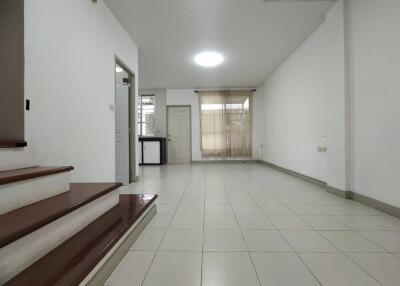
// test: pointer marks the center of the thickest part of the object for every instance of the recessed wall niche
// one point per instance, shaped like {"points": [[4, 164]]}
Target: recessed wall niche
{"points": [[11, 73]]}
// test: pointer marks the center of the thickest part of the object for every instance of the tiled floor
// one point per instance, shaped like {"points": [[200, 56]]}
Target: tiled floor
{"points": [[247, 224]]}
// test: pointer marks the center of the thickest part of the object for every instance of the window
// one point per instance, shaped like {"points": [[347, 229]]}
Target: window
{"points": [[146, 106], [225, 123]]}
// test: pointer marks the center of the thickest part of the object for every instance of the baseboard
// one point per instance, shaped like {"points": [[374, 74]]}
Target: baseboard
{"points": [[373, 203], [338, 192], [295, 174]]}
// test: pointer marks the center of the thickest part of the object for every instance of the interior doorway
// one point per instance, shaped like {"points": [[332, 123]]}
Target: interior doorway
{"points": [[179, 134], [125, 110]]}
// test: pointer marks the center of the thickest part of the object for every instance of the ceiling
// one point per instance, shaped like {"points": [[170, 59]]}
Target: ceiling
{"points": [[255, 38]]}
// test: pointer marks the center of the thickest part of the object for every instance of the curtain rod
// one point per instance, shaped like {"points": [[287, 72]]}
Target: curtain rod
{"points": [[197, 91]]}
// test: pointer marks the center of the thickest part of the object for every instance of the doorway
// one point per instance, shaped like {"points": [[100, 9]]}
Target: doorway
{"points": [[125, 110], [179, 134]]}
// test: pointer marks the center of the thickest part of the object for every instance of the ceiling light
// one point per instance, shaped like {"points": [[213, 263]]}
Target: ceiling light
{"points": [[208, 59], [119, 69]]}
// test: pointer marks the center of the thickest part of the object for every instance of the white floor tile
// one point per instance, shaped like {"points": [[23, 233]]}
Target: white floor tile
{"points": [[223, 240], [175, 269], [334, 269], [305, 210], [247, 209], [166, 209], [190, 208], [132, 269], [389, 240], [267, 201], [324, 223], [370, 222], [275, 209], [281, 269], [265, 240], [242, 201], [149, 239], [160, 221], [187, 221], [223, 221], [249, 221], [217, 200], [350, 241], [290, 200], [218, 209], [183, 240], [308, 241], [384, 267], [288, 222], [226, 268]]}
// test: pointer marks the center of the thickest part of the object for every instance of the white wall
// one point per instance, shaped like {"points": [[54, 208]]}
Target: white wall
{"points": [[376, 97], [69, 69], [189, 97], [303, 105]]}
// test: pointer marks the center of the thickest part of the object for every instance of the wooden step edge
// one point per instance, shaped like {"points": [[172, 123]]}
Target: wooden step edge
{"points": [[70, 262], [12, 144], [12, 176], [20, 222]]}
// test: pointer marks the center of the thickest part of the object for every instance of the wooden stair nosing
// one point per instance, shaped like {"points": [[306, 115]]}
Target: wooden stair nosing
{"points": [[22, 221], [69, 263], [12, 176]]}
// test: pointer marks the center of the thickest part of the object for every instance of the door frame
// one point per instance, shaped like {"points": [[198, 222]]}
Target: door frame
{"points": [[132, 115], [190, 126]]}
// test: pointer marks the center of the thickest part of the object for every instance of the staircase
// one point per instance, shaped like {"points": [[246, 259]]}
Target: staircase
{"points": [[53, 232]]}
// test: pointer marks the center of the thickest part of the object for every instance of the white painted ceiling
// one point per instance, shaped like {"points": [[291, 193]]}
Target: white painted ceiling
{"points": [[255, 38]]}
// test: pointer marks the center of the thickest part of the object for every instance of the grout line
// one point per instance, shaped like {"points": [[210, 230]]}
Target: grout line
{"points": [[204, 218], [156, 252], [241, 232], [299, 257]]}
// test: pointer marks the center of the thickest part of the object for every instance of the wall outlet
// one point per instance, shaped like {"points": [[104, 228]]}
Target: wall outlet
{"points": [[322, 149]]}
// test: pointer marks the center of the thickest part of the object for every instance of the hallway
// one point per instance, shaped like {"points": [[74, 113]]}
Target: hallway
{"points": [[247, 224]]}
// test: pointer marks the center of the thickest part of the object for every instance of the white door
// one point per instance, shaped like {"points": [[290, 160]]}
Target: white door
{"points": [[122, 128], [179, 137]]}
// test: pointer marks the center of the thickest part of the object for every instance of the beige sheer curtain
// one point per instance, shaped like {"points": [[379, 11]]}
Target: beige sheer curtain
{"points": [[225, 123]]}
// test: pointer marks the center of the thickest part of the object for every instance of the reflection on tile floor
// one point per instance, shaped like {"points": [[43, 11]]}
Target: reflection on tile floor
{"points": [[247, 224]]}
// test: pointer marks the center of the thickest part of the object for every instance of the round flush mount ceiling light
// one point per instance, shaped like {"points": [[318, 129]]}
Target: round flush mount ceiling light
{"points": [[208, 59]]}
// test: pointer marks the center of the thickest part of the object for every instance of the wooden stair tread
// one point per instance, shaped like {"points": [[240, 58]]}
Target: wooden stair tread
{"points": [[22, 221], [12, 176], [72, 261]]}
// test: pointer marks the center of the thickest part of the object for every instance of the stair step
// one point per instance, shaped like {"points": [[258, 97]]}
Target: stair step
{"points": [[12, 176], [34, 216], [73, 260], [21, 187]]}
